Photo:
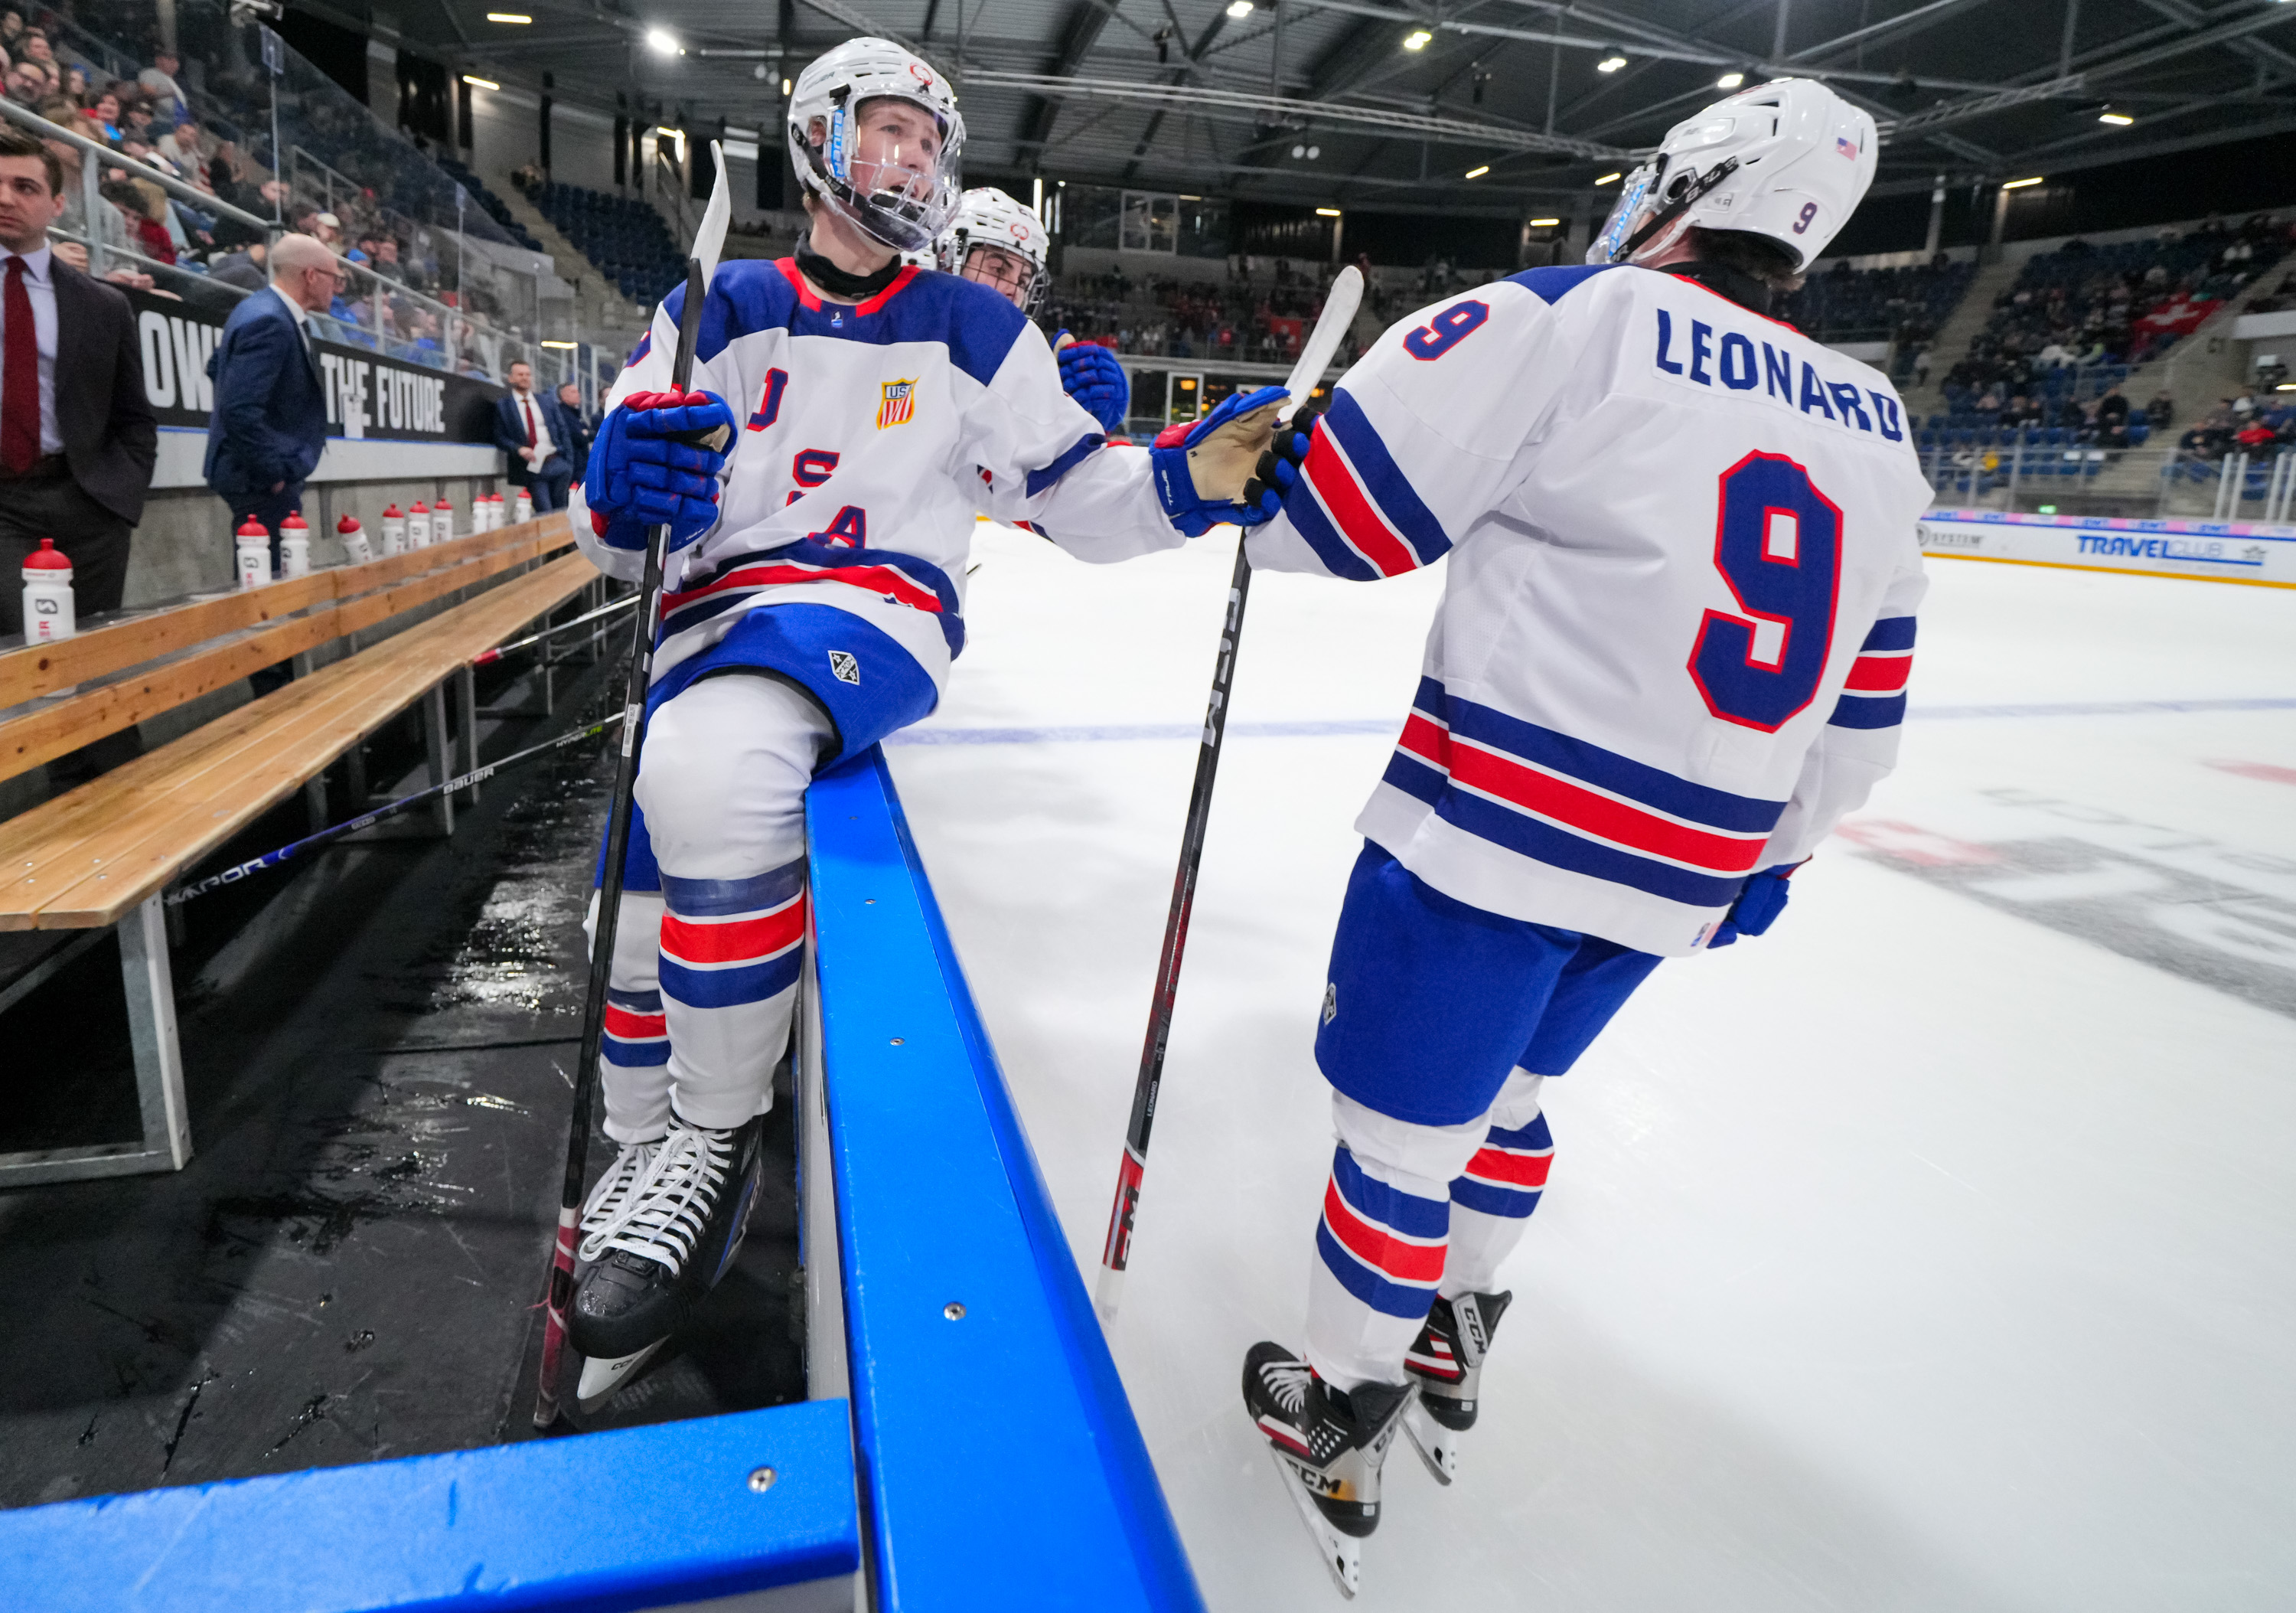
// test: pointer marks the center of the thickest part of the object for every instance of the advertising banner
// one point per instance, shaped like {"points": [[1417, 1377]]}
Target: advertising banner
{"points": [[368, 394], [2223, 551]]}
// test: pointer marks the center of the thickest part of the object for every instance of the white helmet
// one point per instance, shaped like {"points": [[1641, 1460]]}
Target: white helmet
{"points": [[905, 203], [988, 217], [1789, 160]]}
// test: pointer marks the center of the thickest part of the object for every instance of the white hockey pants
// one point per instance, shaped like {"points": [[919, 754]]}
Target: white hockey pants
{"points": [[1410, 1212], [704, 979]]}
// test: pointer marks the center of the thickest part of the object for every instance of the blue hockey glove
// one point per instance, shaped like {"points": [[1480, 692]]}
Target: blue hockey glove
{"points": [[1204, 468], [1090, 373], [1760, 900], [656, 463]]}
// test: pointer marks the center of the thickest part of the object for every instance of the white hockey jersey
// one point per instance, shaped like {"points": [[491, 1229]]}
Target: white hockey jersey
{"points": [[1676, 632], [870, 434]]}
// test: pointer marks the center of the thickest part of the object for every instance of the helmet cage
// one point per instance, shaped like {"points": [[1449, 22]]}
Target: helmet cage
{"points": [[907, 216]]}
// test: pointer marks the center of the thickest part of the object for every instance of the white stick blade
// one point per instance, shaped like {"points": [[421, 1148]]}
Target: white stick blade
{"points": [[1340, 306], [1107, 1292]]}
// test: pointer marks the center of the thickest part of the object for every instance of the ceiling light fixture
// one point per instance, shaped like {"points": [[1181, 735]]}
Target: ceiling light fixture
{"points": [[1545, 224], [1730, 81], [1240, 9], [1327, 213], [661, 41], [786, 86], [1607, 179], [2018, 184], [1416, 40], [1477, 173], [560, 347], [477, 83], [2117, 119], [519, 18], [1610, 63]]}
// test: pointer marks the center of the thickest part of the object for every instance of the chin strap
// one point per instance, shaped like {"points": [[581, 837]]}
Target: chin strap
{"points": [[835, 281], [1737, 285]]}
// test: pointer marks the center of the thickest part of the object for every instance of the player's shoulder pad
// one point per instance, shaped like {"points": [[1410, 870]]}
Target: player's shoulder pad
{"points": [[746, 295], [981, 325], [1551, 285]]}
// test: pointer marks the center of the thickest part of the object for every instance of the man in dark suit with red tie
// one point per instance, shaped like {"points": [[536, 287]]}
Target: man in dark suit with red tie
{"points": [[535, 433], [76, 435]]}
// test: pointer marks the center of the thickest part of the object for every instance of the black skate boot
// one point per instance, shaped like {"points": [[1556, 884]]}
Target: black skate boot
{"points": [[1328, 1446], [602, 1211], [1448, 1360], [676, 1232]]}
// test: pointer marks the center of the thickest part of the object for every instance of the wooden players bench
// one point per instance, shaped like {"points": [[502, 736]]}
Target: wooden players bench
{"points": [[104, 854]]}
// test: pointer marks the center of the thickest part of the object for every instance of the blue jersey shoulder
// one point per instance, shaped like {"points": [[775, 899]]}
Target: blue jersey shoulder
{"points": [[979, 325], [976, 324], [1551, 285]]}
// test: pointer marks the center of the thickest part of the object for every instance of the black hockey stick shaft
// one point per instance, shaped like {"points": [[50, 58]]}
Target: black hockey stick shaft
{"points": [[560, 1296], [368, 819], [1116, 1253]]}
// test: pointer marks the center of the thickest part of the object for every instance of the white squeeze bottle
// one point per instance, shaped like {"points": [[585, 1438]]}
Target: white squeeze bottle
{"points": [[394, 532], [489, 511], [442, 521], [254, 547], [354, 537], [418, 526], [294, 547], [525, 505], [48, 612]]}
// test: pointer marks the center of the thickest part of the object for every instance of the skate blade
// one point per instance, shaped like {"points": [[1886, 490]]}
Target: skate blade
{"points": [[1437, 1446], [602, 1377], [1342, 1554]]}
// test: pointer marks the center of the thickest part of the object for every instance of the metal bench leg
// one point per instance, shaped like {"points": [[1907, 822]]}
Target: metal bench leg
{"points": [[466, 713], [434, 740], [354, 788], [143, 967]]}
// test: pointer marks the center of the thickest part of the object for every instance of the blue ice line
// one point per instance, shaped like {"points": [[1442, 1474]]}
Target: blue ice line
{"points": [[1091, 732]]}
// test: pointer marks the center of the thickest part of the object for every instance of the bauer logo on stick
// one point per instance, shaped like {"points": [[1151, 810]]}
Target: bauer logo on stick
{"points": [[897, 404], [844, 667]]}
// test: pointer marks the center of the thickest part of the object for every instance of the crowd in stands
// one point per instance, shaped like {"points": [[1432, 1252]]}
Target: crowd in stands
{"points": [[2079, 320], [216, 141]]}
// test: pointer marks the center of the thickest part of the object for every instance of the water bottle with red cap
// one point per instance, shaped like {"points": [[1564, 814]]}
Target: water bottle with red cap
{"points": [[48, 611], [294, 547], [394, 532], [355, 547], [442, 521], [418, 526], [254, 547]]}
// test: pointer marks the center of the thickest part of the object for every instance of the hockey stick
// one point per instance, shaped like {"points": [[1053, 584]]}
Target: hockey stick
{"points": [[560, 1294], [1340, 304], [488, 657], [312, 843]]}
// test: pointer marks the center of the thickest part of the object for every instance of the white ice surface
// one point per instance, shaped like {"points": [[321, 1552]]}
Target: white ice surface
{"points": [[1917, 1255]]}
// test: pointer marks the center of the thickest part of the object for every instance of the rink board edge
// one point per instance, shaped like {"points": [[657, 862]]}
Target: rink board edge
{"points": [[637, 1519], [1001, 1465]]}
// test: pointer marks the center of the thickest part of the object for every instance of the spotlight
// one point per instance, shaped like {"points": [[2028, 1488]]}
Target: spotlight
{"points": [[661, 41], [513, 17], [1240, 9], [1730, 81], [2117, 119], [1298, 151], [476, 82], [1610, 63], [2018, 184], [1327, 213], [1545, 224], [1477, 173], [1416, 40], [1607, 179]]}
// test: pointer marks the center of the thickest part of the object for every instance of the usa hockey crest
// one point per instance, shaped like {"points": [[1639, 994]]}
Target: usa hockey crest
{"points": [[844, 667], [897, 403]]}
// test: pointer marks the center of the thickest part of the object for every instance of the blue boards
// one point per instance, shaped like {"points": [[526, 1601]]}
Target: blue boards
{"points": [[1001, 1466]]}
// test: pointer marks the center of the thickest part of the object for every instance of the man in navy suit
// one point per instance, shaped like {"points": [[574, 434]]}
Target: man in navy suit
{"points": [[270, 417], [530, 428]]}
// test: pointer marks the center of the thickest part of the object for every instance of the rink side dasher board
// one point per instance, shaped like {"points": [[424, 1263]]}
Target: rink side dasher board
{"points": [[2212, 551], [637, 1518], [1001, 1466]]}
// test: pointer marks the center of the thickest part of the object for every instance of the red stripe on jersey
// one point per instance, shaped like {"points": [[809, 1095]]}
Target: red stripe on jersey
{"points": [[1513, 1170], [1879, 674], [805, 296], [877, 579], [1352, 512], [631, 1026], [732, 940], [1377, 1246], [899, 282], [1576, 808]]}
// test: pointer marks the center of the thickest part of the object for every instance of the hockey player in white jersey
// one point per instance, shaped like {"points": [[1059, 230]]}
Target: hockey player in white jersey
{"points": [[1670, 654], [1000, 242], [814, 604]]}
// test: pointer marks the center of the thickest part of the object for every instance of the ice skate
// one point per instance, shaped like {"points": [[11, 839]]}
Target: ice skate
{"points": [[1328, 1446], [1447, 1358], [602, 1211], [676, 1230]]}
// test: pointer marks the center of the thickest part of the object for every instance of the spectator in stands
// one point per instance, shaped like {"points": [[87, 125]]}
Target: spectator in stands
{"points": [[2112, 417], [1921, 364], [41, 54], [269, 421], [12, 29], [243, 268], [183, 147], [25, 85], [528, 429], [580, 428], [77, 437], [158, 82]]}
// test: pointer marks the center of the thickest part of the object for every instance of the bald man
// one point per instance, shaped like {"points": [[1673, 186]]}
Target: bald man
{"points": [[270, 418]]}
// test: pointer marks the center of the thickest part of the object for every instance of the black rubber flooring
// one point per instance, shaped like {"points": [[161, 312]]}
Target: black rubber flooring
{"points": [[379, 1047]]}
